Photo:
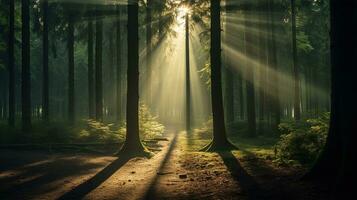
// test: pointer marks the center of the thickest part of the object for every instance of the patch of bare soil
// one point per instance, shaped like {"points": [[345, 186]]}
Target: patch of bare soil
{"points": [[172, 173]]}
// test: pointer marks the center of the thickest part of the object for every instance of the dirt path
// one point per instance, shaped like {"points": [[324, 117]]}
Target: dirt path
{"points": [[175, 172]]}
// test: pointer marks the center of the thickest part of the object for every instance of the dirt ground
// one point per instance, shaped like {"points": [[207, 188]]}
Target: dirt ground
{"points": [[177, 171]]}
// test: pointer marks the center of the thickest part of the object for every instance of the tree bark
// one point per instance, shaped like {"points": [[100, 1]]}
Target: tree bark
{"points": [[26, 73], [11, 63], [98, 70], [132, 143], [188, 76], [45, 84], [337, 163], [297, 111], [119, 66], [90, 70], [71, 103], [219, 141]]}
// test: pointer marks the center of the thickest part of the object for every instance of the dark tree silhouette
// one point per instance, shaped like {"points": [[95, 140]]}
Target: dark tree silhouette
{"points": [[45, 86], [187, 75], [90, 70], [297, 112], [26, 73], [337, 163], [119, 66], [98, 69], [71, 106], [11, 47], [219, 141], [249, 75], [132, 143]]}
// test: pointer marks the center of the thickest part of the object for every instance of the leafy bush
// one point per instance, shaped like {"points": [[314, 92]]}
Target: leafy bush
{"points": [[303, 141]]}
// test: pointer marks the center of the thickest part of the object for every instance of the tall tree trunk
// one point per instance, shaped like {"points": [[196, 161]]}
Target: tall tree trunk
{"points": [[337, 163], [11, 63], [98, 70], [274, 98], [220, 141], [71, 103], [45, 84], [132, 142], [188, 76], [90, 70], [148, 51], [26, 73], [263, 63], [249, 76], [297, 111], [119, 66]]}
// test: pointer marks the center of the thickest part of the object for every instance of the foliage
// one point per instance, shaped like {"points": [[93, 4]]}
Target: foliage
{"points": [[302, 142], [149, 127]]}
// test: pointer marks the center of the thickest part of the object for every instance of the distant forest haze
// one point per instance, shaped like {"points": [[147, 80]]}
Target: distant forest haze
{"points": [[235, 91]]}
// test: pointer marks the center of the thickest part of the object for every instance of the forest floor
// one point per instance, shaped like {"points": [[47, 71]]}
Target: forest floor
{"points": [[176, 171]]}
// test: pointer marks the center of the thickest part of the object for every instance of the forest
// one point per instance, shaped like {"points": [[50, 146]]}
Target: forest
{"points": [[177, 99]]}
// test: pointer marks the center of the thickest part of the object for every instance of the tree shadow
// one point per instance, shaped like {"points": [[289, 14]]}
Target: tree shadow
{"points": [[246, 181], [150, 193], [83, 189]]}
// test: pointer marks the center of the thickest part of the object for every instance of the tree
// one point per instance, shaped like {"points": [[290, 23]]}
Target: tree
{"points": [[11, 63], [219, 141], [148, 49], [188, 78], [26, 73], [132, 143], [90, 70], [45, 83], [119, 65], [337, 163], [98, 69], [272, 63], [70, 46], [250, 54], [297, 112]]}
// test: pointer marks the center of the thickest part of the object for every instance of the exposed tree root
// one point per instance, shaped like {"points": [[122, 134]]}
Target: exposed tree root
{"points": [[138, 150], [215, 146]]}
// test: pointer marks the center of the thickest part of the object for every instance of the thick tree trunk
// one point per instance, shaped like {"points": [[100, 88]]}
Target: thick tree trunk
{"points": [[132, 143], [71, 103], [119, 66], [337, 163], [26, 73], [98, 70], [220, 141], [11, 48], [297, 111], [45, 84], [90, 70]]}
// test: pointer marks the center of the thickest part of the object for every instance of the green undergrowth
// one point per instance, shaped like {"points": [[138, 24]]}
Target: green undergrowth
{"points": [[84, 131], [294, 144]]}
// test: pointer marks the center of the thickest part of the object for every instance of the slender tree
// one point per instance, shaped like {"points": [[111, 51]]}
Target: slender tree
{"points": [[45, 84], [98, 69], [188, 75], [148, 49], [220, 141], [249, 49], [26, 74], [132, 143], [11, 63], [119, 66], [337, 163], [70, 46], [297, 112], [90, 70]]}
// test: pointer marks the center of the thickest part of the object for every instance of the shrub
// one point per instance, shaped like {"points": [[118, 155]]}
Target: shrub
{"points": [[302, 142]]}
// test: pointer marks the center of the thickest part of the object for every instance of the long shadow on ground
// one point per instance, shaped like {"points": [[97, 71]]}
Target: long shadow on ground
{"points": [[248, 184], [83, 189], [150, 193]]}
